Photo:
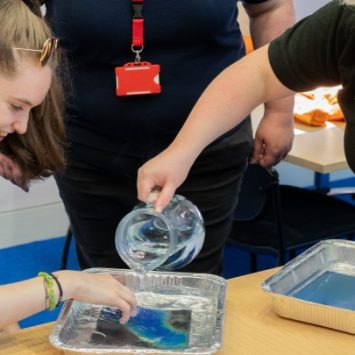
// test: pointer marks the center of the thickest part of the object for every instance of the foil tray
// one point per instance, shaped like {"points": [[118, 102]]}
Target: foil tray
{"points": [[318, 286], [79, 326]]}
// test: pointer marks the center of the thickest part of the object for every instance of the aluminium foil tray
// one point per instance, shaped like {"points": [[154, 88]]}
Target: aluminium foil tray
{"points": [[77, 330], [318, 286]]}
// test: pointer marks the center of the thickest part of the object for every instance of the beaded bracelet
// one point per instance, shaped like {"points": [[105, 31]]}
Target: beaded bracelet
{"points": [[55, 278], [49, 289]]}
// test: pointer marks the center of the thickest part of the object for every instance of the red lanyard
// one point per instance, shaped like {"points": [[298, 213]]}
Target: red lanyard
{"points": [[137, 28], [137, 78]]}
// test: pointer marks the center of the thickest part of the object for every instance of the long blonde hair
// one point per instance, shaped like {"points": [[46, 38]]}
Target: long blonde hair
{"points": [[39, 152]]}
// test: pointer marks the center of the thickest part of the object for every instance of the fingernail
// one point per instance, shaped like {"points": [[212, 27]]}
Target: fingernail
{"points": [[153, 196], [158, 209], [123, 321], [134, 312]]}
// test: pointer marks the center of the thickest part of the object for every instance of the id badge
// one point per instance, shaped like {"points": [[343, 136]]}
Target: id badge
{"points": [[137, 79]]}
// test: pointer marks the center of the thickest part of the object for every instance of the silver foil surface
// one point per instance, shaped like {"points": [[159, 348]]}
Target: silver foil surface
{"points": [[318, 286], [77, 330]]}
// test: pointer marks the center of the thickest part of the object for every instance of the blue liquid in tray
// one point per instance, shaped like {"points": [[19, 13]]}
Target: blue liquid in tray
{"points": [[150, 328], [331, 289]]}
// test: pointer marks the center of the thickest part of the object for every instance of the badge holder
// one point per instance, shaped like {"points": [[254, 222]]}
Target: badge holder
{"points": [[138, 77]]}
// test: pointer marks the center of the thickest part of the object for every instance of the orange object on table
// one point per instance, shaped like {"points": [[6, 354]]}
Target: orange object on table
{"points": [[318, 106], [248, 43]]}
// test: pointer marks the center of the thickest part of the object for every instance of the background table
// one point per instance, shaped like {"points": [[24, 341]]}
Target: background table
{"points": [[320, 149], [251, 327]]}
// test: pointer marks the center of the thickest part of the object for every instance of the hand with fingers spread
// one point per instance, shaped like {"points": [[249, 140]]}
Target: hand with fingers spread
{"points": [[9, 170]]}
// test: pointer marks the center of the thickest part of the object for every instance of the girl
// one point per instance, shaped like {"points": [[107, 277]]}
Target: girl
{"points": [[31, 137]]}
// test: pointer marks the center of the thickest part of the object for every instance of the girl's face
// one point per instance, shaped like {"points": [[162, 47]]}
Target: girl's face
{"points": [[20, 93]]}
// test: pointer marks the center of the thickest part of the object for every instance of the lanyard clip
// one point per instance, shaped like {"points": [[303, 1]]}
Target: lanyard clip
{"points": [[137, 51], [137, 7]]}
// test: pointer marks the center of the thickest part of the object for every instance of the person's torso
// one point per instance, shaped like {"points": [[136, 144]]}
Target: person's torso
{"points": [[192, 41]]}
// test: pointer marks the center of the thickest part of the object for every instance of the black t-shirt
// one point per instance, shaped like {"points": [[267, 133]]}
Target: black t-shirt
{"points": [[320, 51], [192, 40]]}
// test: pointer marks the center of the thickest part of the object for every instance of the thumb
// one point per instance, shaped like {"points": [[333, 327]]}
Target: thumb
{"points": [[144, 188]]}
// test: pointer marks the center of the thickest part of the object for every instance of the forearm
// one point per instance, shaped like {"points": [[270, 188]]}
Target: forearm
{"points": [[22, 299], [282, 107], [229, 98]]}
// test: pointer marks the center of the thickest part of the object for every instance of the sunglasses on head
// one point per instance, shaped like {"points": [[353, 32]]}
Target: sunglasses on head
{"points": [[49, 49]]}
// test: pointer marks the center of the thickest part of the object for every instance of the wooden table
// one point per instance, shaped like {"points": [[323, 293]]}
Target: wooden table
{"points": [[320, 149], [251, 327]]}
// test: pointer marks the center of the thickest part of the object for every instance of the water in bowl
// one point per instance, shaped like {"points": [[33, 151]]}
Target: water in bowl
{"points": [[148, 245], [149, 240]]}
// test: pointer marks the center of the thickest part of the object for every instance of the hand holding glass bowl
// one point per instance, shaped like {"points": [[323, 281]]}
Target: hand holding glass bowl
{"points": [[171, 239]]}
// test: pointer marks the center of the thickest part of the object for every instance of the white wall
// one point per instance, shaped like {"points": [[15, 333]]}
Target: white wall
{"points": [[36, 215], [306, 7]]}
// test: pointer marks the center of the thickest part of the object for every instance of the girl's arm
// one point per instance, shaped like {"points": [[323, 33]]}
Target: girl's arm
{"points": [[22, 299]]}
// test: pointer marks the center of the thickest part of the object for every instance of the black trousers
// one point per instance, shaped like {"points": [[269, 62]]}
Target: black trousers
{"points": [[98, 188]]}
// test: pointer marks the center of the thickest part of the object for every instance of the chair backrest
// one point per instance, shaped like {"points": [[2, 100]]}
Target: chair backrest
{"points": [[284, 218], [260, 193], [255, 192]]}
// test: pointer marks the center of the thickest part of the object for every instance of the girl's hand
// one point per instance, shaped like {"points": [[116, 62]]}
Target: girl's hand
{"points": [[100, 289]]}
